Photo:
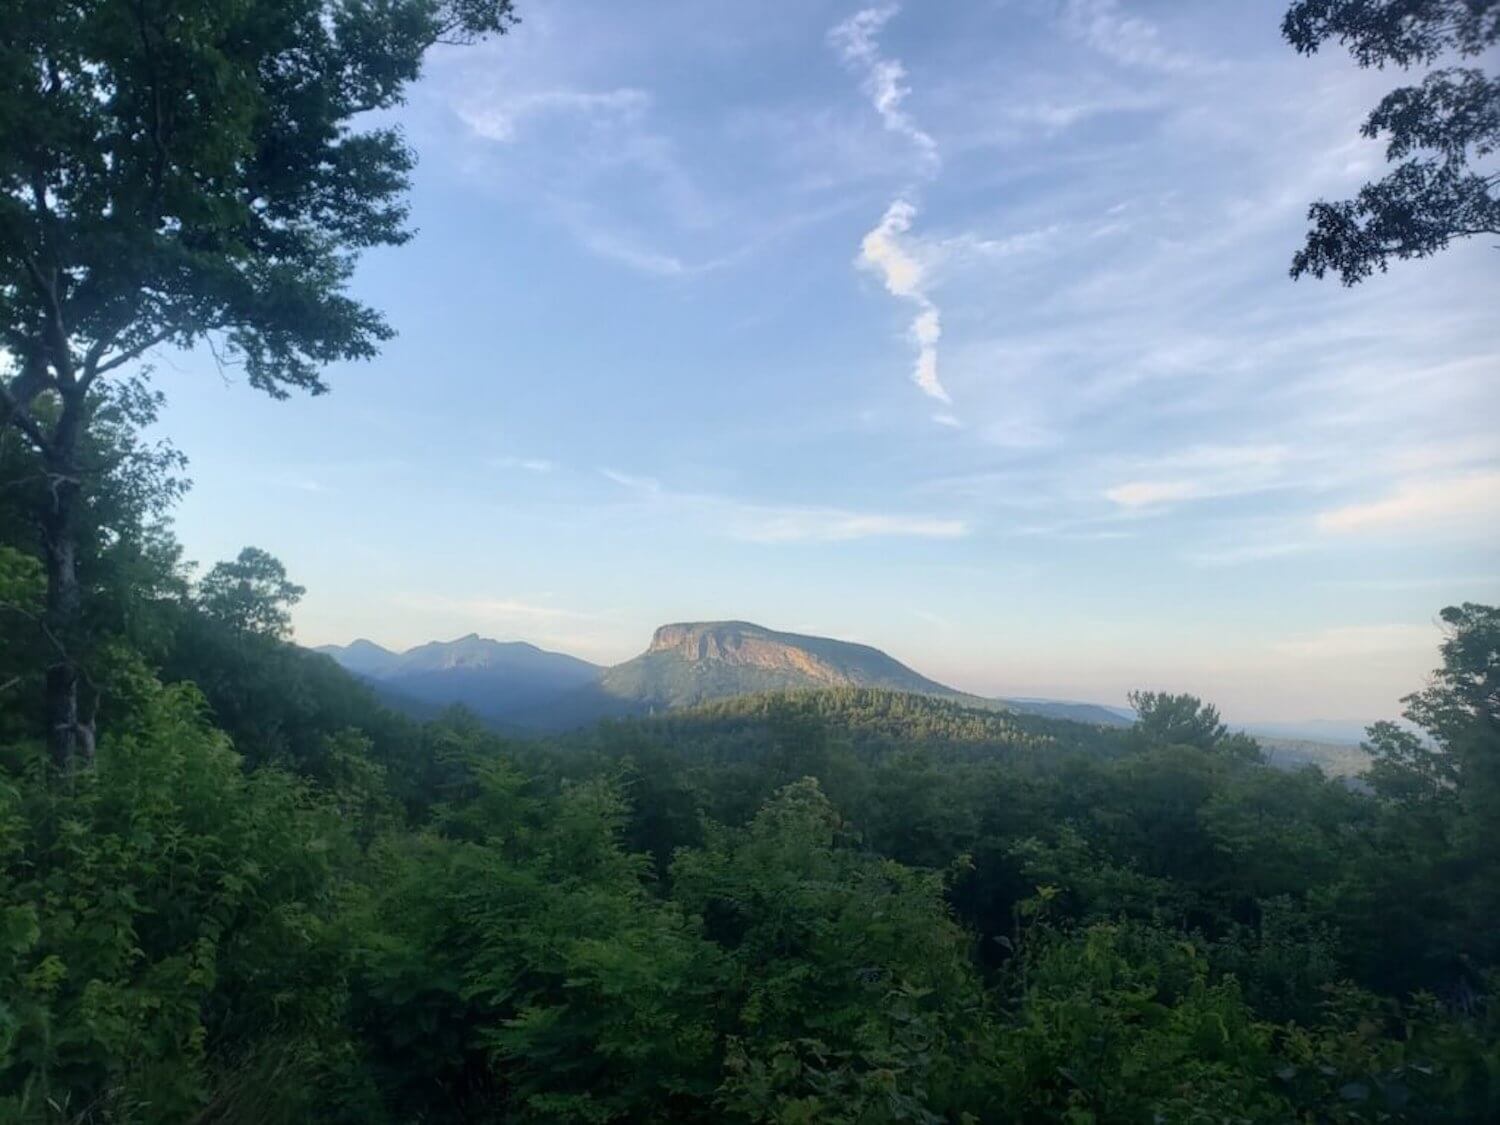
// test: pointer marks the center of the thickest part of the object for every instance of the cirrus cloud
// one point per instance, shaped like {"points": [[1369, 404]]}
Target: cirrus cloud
{"points": [[1420, 503], [883, 252], [884, 79], [756, 522], [1149, 493]]}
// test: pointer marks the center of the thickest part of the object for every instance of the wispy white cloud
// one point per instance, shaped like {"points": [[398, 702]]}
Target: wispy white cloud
{"points": [[883, 249], [297, 483], [598, 156], [595, 634], [617, 246], [753, 522], [1132, 40], [1005, 246], [1420, 504], [1053, 114], [501, 117], [1123, 293], [483, 608], [1203, 471], [757, 524], [647, 485], [1453, 452], [1354, 641], [528, 464], [1150, 493], [883, 252], [884, 79]]}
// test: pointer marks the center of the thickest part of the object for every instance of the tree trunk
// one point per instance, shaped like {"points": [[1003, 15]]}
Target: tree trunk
{"points": [[70, 736]]}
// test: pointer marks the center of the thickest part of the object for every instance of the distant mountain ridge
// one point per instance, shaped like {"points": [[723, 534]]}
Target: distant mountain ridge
{"points": [[494, 679], [519, 686], [523, 689], [362, 657], [1096, 714]]}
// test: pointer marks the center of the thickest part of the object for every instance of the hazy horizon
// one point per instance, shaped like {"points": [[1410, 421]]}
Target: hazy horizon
{"points": [[962, 333], [980, 687]]}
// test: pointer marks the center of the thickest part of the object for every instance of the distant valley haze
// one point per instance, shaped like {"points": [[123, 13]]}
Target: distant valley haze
{"points": [[518, 686]]}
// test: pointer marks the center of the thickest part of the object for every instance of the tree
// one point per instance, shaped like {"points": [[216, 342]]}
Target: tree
{"points": [[1438, 130], [1442, 797], [127, 565], [1164, 719], [250, 594], [1460, 711], [20, 596], [181, 172]]}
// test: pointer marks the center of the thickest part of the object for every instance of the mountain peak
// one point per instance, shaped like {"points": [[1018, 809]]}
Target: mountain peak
{"points": [[690, 661], [492, 678], [745, 645], [363, 657], [362, 644], [706, 639]]}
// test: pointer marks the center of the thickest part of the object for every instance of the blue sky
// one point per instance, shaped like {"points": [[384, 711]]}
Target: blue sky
{"points": [[961, 329]]}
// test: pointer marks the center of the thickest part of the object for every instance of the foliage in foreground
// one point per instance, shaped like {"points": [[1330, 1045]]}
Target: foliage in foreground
{"points": [[1035, 931]]}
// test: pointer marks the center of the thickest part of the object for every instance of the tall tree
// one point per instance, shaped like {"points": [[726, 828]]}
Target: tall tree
{"points": [[250, 594], [1164, 719], [1459, 709], [180, 171], [1441, 131]]}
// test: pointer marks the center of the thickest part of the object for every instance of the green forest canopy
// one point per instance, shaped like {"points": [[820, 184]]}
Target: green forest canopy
{"points": [[270, 899]]}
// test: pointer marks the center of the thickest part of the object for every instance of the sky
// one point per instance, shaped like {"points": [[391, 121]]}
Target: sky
{"points": [[960, 329]]}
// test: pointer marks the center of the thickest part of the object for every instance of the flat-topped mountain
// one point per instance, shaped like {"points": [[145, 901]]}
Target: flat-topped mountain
{"points": [[695, 662], [691, 662]]}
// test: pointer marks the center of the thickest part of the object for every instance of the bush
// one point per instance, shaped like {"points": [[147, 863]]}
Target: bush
{"points": [[168, 920]]}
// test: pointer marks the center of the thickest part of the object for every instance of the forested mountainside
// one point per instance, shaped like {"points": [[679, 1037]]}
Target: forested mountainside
{"points": [[270, 898], [519, 689], [273, 899], [1336, 759]]}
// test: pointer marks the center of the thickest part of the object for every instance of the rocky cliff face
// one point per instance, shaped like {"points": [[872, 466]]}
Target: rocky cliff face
{"points": [[744, 645]]}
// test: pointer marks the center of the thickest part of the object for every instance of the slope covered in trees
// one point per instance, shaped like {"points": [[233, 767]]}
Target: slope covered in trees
{"points": [[271, 899]]}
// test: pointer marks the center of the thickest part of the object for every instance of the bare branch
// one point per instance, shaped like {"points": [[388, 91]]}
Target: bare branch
{"points": [[93, 368]]}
